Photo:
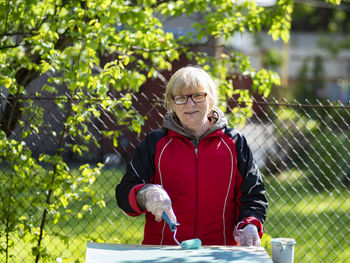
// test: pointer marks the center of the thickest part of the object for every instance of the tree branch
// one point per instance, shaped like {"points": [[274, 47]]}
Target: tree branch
{"points": [[10, 46], [8, 34], [147, 49], [7, 14], [53, 177]]}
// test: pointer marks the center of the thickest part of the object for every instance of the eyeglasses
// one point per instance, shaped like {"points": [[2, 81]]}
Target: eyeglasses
{"points": [[196, 98]]}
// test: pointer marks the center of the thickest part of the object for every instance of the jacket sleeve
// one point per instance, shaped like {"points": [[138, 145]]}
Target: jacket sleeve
{"points": [[138, 173], [253, 203]]}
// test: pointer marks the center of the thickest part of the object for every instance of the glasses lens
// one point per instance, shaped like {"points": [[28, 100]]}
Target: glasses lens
{"points": [[199, 97], [180, 99]]}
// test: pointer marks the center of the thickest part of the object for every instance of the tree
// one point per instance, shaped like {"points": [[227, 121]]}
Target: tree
{"points": [[319, 16], [64, 40], [311, 83]]}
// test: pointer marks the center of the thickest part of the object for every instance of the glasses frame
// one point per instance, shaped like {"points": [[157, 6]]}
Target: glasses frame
{"points": [[190, 96]]}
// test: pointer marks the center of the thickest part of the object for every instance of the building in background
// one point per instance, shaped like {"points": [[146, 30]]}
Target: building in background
{"points": [[302, 48]]}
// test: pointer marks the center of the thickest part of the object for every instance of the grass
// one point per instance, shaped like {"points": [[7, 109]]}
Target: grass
{"points": [[318, 221]]}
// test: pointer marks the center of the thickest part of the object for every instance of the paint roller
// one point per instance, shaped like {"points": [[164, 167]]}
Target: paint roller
{"points": [[186, 244]]}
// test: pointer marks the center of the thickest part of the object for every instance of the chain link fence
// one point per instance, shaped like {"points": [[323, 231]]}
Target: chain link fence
{"points": [[302, 149]]}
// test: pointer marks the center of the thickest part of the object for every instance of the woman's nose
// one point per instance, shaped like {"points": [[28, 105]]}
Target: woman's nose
{"points": [[190, 101]]}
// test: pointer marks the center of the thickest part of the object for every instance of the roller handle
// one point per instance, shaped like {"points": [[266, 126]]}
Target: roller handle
{"points": [[171, 224]]}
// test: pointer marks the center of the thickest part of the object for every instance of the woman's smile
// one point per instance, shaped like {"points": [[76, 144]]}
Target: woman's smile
{"points": [[191, 112]]}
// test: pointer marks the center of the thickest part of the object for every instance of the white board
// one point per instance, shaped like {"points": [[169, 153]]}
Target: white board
{"points": [[112, 253]]}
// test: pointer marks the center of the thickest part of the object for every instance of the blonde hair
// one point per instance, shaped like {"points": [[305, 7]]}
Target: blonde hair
{"points": [[191, 78]]}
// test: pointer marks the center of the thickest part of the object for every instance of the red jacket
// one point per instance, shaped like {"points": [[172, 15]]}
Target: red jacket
{"points": [[213, 184]]}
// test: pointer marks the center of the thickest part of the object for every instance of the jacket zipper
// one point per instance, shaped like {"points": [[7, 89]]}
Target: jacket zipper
{"points": [[196, 191]]}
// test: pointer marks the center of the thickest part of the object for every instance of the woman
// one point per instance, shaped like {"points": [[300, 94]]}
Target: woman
{"points": [[197, 170]]}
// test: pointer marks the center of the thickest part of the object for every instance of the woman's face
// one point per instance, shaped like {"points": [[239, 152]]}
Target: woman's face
{"points": [[192, 115]]}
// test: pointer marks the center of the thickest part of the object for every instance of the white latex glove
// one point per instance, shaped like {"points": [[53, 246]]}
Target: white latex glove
{"points": [[156, 200], [247, 236]]}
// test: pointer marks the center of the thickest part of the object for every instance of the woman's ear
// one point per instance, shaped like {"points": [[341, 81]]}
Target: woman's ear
{"points": [[211, 104]]}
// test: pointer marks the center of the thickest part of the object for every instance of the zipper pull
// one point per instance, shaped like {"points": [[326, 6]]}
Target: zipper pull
{"points": [[196, 150]]}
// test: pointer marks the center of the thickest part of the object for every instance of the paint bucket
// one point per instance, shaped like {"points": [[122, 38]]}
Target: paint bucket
{"points": [[282, 250]]}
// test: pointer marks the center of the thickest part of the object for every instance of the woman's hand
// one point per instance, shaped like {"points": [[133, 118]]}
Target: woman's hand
{"points": [[247, 236], [156, 200]]}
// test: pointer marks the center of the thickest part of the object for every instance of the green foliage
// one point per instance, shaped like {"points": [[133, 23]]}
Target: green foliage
{"points": [[334, 148], [335, 2], [321, 17], [272, 59], [66, 41], [29, 190], [281, 24], [265, 242], [16, 209], [317, 145]]}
